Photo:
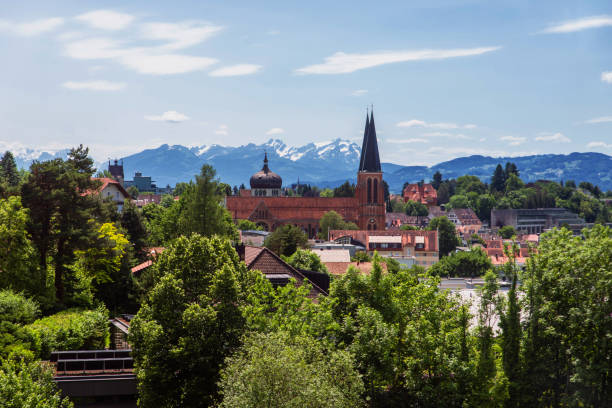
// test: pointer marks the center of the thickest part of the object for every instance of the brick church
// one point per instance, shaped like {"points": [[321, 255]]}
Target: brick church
{"points": [[265, 205]]}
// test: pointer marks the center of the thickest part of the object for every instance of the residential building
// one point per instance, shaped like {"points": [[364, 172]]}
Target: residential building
{"points": [[111, 189], [421, 193]]}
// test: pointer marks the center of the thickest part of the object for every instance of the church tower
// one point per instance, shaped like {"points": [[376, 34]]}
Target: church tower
{"points": [[370, 189]]}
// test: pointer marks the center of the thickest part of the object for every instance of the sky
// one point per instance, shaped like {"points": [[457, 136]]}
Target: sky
{"points": [[446, 78]]}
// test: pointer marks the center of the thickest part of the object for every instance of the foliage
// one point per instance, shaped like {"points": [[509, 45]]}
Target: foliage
{"points": [[408, 227], [415, 208], [70, 329], [331, 220], [8, 170], [277, 370], [15, 311], [447, 236], [18, 269], [190, 322], [133, 192], [248, 225], [361, 256], [133, 223], [29, 384], [286, 240], [507, 232], [463, 264], [307, 260], [345, 190], [326, 192]]}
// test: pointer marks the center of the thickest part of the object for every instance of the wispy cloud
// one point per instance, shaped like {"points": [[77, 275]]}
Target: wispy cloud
{"points": [[236, 70], [403, 141], [222, 130], [359, 92], [580, 24], [439, 125], [273, 32], [275, 131], [99, 85], [448, 134], [31, 28], [168, 116], [179, 35], [513, 140], [553, 137], [106, 19], [607, 77], [343, 63], [605, 145], [602, 119]]}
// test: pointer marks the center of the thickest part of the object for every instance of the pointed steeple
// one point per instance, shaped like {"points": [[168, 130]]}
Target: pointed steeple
{"points": [[265, 168], [370, 160], [365, 138]]}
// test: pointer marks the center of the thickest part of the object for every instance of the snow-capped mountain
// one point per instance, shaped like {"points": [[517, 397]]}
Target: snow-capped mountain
{"points": [[328, 164]]}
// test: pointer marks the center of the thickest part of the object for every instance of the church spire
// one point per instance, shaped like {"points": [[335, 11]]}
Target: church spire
{"points": [[370, 160], [265, 168]]}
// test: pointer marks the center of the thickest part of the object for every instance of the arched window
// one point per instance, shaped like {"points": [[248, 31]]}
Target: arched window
{"points": [[374, 227], [376, 190], [369, 191], [369, 226]]}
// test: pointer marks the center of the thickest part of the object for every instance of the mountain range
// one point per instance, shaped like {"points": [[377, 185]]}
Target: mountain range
{"points": [[329, 164]]}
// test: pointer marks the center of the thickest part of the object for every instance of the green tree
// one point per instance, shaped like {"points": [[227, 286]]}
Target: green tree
{"points": [[326, 192], [331, 220], [8, 170], [459, 201], [507, 232], [286, 240], [345, 190], [201, 210], [133, 192], [498, 180], [132, 222], [56, 194], [276, 370], [415, 208], [29, 384], [484, 205], [190, 322], [513, 183], [307, 260], [444, 193], [511, 169], [463, 264], [447, 237], [17, 258], [248, 225], [436, 180]]}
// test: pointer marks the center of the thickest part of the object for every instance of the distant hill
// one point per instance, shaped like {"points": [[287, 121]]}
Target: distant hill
{"points": [[331, 163]]}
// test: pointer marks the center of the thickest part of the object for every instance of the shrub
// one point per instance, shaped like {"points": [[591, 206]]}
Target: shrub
{"points": [[69, 330], [16, 308]]}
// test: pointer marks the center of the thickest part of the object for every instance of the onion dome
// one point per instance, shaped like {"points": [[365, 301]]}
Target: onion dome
{"points": [[265, 178]]}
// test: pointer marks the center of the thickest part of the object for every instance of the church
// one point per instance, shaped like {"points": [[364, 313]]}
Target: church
{"points": [[265, 205]]}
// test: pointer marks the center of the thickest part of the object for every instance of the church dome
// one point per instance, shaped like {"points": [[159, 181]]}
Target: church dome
{"points": [[265, 178]]}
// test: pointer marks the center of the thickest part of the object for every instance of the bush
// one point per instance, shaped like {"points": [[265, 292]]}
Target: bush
{"points": [[16, 308], [69, 330], [463, 264]]}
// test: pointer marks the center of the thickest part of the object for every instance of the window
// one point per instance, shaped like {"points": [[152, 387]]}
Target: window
{"points": [[369, 191], [375, 190]]}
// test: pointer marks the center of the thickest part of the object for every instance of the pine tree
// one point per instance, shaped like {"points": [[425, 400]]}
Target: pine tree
{"points": [[498, 181], [8, 170], [437, 180]]}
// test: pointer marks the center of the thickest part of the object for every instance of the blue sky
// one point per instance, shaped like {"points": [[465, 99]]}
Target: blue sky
{"points": [[447, 78]]}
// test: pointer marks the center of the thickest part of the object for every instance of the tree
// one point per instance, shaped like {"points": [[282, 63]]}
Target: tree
{"points": [[286, 240], [307, 260], [447, 237], [484, 205], [346, 189], [416, 208], [276, 370], [132, 222], [498, 180], [436, 180], [507, 232], [463, 264], [513, 183], [29, 384], [17, 258], [331, 220], [444, 193], [133, 192], [248, 225], [201, 210], [511, 169], [459, 201], [180, 188], [8, 170], [58, 195], [190, 321], [327, 192]]}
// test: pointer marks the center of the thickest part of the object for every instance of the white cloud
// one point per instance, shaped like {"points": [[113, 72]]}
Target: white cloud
{"points": [[411, 140], [513, 140], [580, 24], [95, 48], [166, 64], [31, 28], [70, 35], [235, 70], [447, 134], [607, 77], [106, 19], [440, 125], [342, 63], [168, 116], [605, 145], [359, 92], [179, 35], [273, 32], [222, 130], [602, 119], [275, 131], [94, 85], [554, 137]]}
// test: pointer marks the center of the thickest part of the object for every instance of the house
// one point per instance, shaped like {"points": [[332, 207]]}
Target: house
{"points": [[340, 268], [421, 193], [111, 189], [407, 247], [466, 221], [395, 220]]}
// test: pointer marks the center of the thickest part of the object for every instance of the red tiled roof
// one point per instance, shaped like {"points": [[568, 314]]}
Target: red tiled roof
{"points": [[408, 237], [142, 266], [105, 181], [340, 268]]}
